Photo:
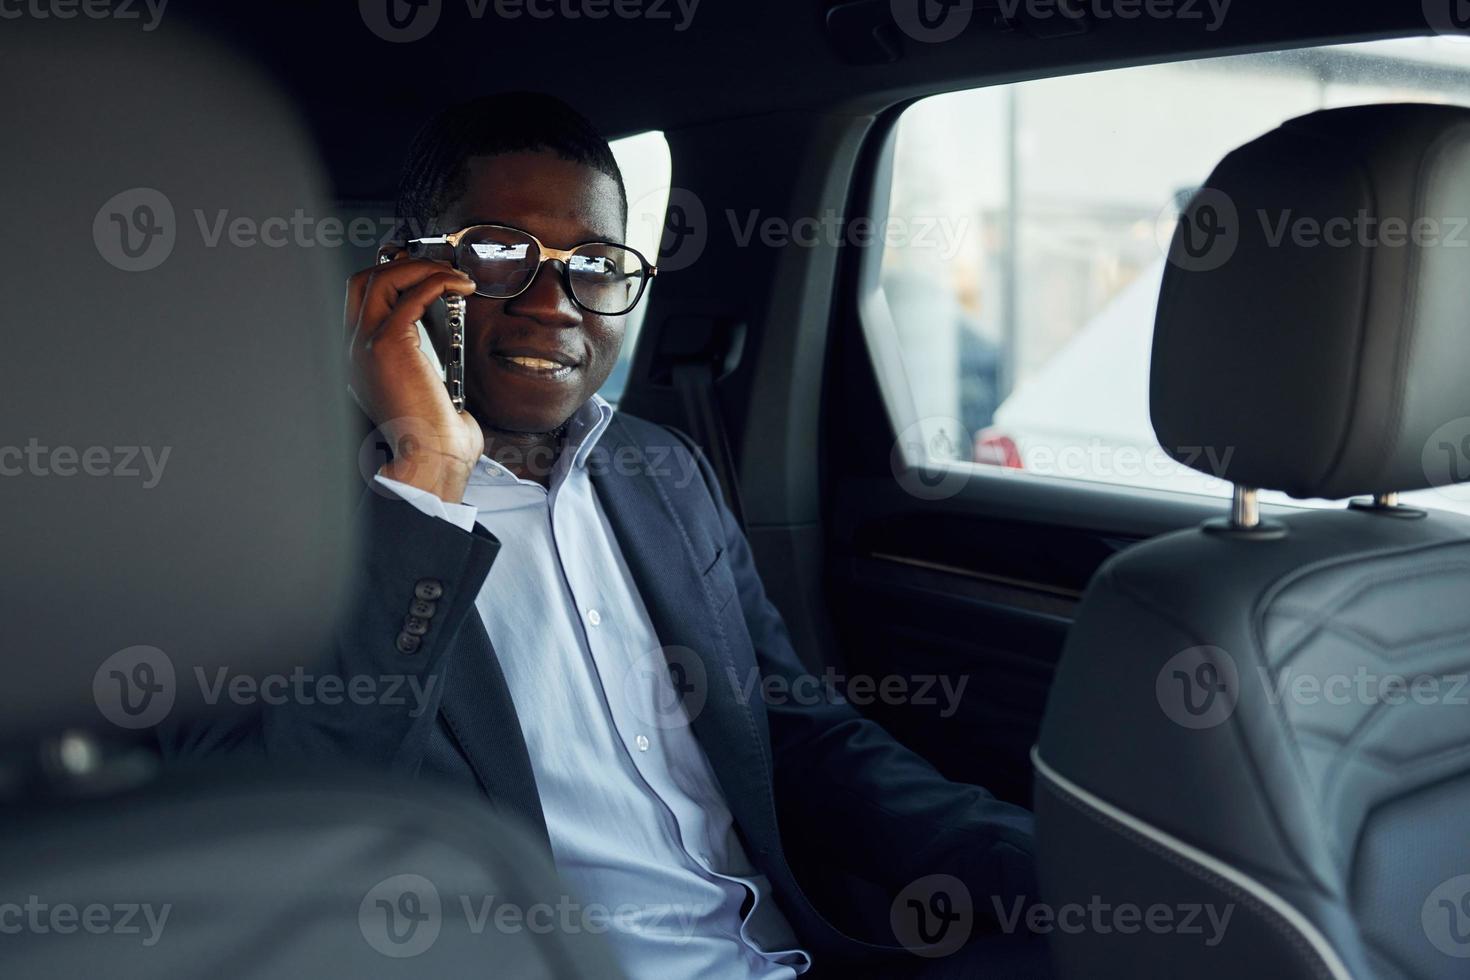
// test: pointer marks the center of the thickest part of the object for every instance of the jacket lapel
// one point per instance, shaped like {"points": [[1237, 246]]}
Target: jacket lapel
{"points": [[657, 548], [477, 707]]}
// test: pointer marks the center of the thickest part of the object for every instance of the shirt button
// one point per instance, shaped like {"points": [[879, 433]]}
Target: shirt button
{"points": [[642, 742], [594, 617]]}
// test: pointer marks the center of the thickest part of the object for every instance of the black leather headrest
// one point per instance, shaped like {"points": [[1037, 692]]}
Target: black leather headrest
{"points": [[1313, 330], [175, 447]]}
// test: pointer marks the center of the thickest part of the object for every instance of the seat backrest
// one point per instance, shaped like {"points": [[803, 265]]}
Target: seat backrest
{"points": [[266, 876], [174, 483], [1258, 737]]}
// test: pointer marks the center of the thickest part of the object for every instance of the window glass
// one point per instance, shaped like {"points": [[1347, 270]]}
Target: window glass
{"points": [[647, 169], [1026, 238]]}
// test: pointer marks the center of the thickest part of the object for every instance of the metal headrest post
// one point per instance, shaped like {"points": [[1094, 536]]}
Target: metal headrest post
{"points": [[1245, 507], [1245, 518], [1386, 505]]}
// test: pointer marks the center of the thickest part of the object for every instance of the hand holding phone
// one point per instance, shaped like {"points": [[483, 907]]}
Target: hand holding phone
{"points": [[454, 321], [436, 444]]}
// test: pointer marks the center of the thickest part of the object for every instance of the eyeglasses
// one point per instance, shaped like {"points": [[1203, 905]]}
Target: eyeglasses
{"points": [[601, 277]]}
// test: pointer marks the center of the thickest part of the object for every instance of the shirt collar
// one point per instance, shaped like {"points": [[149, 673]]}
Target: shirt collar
{"points": [[584, 430]]}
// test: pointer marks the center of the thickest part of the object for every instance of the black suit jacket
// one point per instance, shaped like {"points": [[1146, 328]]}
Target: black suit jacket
{"points": [[859, 807]]}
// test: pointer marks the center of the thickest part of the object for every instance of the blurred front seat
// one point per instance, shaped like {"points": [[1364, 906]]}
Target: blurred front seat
{"points": [[176, 503]]}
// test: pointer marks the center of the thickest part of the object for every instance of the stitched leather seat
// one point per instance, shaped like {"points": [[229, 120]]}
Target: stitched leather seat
{"points": [[1273, 722]]}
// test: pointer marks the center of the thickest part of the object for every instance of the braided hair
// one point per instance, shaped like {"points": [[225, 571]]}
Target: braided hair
{"points": [[434, 174]]}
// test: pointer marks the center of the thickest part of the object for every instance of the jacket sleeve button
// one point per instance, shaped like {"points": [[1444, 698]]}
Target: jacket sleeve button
{"points": [[414, 626], [408, 643], [428, 589], [422, 609]]}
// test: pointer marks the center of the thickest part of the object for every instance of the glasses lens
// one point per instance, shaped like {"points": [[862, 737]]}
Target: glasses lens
{"points": [[500, 260], [607, 279]]}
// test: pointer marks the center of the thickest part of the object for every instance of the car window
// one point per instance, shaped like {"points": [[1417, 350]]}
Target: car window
{"points": [[647, 170], [1025, 245]]}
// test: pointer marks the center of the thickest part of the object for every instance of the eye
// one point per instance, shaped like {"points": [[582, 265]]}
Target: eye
{"points": [[497, 252], [593, 267]]}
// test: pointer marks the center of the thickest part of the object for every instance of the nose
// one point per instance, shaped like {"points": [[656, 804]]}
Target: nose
{"points": [[546, 300]]}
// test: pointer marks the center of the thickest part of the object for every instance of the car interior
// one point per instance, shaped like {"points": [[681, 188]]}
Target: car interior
{"points": [[932, 303]]}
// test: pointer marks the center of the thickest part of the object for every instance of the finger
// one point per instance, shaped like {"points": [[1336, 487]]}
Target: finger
{"points": [[352, 305], [410, 306], [357, 287], [380, 288]]}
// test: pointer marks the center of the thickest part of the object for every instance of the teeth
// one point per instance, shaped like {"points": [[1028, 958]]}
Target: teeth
{"points": [[536, 363]]}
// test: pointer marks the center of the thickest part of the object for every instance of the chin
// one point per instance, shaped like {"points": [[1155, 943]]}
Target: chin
{"points": [[507, 402], [522, 419]]}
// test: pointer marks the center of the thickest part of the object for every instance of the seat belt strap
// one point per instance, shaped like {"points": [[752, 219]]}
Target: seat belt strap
{"points": [[695, 380]]}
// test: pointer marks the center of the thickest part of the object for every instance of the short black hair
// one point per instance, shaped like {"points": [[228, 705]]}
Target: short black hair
{"points": [[434, 174]]}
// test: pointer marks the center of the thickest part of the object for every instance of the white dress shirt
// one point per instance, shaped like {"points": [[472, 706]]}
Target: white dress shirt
{"points": [[640, 830]]}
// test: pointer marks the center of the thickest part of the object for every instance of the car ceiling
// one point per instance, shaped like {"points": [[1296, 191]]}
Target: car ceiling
{"points": [[363, 96]]}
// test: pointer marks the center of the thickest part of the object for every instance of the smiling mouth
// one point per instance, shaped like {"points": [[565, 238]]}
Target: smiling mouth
{"points": [[534, 367]]}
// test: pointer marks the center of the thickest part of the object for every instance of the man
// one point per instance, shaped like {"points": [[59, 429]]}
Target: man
{"points": [[583, 611]]}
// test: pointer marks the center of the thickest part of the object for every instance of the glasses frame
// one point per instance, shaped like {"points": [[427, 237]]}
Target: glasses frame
{"points": [[562, 255]]}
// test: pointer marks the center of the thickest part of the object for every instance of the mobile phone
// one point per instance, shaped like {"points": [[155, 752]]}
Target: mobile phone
{"points": [[454, 321]]}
